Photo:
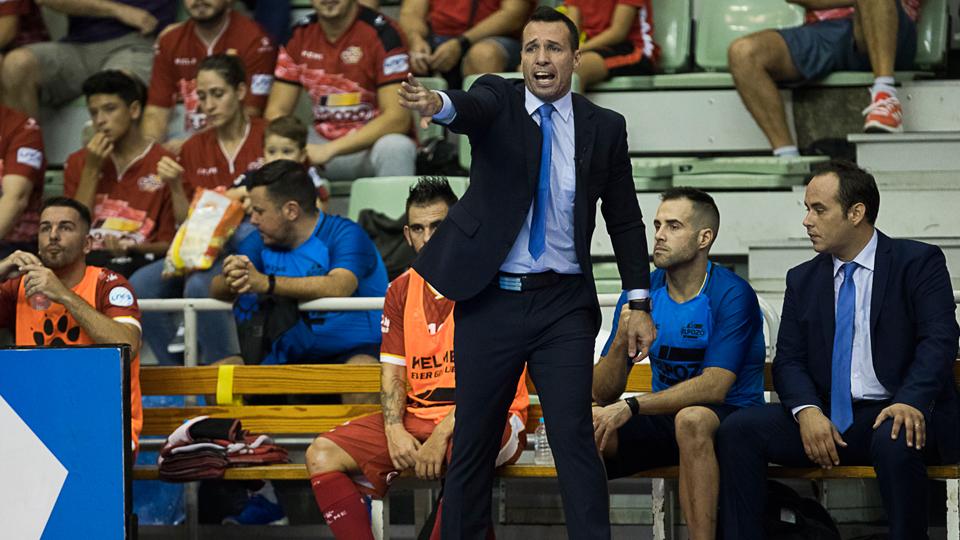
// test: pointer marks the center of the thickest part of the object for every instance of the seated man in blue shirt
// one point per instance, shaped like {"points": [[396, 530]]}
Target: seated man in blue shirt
{"points": [[707, 361], [301, 254]]}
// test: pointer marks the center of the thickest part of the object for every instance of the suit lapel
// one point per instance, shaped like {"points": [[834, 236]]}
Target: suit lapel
{"points": [[825, 299], [881, 273], [584, 134], [532, 141]]}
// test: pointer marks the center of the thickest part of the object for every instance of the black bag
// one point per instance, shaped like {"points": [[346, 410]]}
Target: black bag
{"points": [[261, 320], [438, 156], [387, 235], [788, 516]]}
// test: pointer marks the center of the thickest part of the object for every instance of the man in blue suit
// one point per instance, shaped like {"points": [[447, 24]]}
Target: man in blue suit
{"points": [[864, 364], [515, 256]]}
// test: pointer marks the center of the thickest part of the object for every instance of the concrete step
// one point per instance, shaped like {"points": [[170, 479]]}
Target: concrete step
{"points": [[930, 105], [916, 160]]}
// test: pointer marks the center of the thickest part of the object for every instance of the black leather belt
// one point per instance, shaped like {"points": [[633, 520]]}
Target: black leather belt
{"points": [[526, 282]]}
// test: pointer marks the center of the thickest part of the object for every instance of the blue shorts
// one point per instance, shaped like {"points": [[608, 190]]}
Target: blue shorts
{"points": [[650, 441], [818, 49]]}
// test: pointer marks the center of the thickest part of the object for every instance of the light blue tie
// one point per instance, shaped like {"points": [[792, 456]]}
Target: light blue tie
{"points": [[538, 224], [841, 402]]}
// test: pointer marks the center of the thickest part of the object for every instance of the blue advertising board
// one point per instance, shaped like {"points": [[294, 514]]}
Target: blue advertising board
{"points": [[65, 444]]}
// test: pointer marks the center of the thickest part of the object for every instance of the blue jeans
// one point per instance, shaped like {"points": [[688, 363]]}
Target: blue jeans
{"points": [[216, 332]]}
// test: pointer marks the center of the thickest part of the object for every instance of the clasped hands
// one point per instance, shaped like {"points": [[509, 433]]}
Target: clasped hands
{"points": [[243, 277], [820, 436], [426, 458]]}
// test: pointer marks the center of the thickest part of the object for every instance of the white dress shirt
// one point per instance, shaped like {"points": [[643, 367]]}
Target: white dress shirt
{"points": [[864, 384]]}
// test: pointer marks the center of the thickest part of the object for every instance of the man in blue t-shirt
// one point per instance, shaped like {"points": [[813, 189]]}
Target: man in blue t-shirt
{"points": [[707, 361], [301, 254]]}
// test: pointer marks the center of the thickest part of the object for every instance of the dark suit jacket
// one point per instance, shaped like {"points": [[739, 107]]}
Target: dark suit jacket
{"points": [[913, 333], [466, 252]]}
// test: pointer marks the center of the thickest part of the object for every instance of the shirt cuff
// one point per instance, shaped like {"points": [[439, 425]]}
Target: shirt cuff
{"points": [[638, 294], [447, 113], [796, 410]]}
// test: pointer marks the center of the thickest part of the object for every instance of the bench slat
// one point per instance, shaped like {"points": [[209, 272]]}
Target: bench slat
{"points": [[262, 380], [297, 471], [279, 419]]}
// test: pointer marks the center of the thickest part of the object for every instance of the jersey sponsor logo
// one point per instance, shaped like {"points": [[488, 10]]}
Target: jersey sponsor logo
{"points": [[312, 55], [150, 183], [672, 373], [693, 331], [398, 63], [31, 124], [207, 171], [425, 368], [181, 61], [351, 55], [384, 324], [260, 84], [30, 157], [121, 297], [110, 277], [265, 45]]}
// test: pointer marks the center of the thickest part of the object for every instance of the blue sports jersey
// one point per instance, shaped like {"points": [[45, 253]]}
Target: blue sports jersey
{"points": [[336, 242], [721, 327]]}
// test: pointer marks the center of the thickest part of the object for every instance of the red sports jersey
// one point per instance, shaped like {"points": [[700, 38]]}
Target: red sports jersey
{"points": [[31, 28], [912, 7], [21, 153], [454, 17], [342, 78], [206, 164], [179, 50], [597, 15], [135, 204]]}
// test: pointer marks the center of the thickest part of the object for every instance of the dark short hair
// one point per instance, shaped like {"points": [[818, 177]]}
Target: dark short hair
{"points": [[115, 83], [228, 66], [702, 202], [856, 186], [288, 127], [67, 202], [430, 189], [549, 14], [286, 180]]}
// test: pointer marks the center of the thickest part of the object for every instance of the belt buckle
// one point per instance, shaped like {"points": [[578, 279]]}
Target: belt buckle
{"points": [[510, 283]]}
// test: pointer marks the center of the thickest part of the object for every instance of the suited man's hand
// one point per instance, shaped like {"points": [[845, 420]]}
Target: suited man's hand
{"points": [[908, 417], [640, 334], [820, 437], [416, 97]]}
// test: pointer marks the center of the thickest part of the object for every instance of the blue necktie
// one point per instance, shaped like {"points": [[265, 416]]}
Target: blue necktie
{"points": [[841, 402], [538, 224]]}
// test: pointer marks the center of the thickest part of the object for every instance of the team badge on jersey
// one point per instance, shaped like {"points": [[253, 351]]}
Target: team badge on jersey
{"points": [[351, 55]]}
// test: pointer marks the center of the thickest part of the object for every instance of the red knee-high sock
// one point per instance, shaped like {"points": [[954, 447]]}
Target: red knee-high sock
{"points": [[342, 505], [435, 533]]}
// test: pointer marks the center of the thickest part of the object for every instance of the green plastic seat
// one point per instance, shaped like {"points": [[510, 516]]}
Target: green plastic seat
{"points": [[672, 20], [388, 194], [722, 21], [52, 184], [768, 165], [467, 83], [657, 167], [605, 270], [933, 35], [734, 181]]}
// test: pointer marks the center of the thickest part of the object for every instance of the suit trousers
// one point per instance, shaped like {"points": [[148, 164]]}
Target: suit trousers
{"points": [[751, 438], [552, 330]]}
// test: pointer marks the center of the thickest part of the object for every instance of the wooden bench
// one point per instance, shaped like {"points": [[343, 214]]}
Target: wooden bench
{"points": [[310, 420]]}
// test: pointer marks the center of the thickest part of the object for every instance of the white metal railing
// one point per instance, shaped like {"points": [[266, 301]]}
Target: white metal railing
{"points": [[190, 307]]}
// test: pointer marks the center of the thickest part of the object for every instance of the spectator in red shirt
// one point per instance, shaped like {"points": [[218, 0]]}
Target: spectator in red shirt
{"points": [[21, 23], [463, 37], [619, 38], [213, 28], [116, 176], [21, 180], [350, 59], [878, 36], [212, 159], [102, 34]]}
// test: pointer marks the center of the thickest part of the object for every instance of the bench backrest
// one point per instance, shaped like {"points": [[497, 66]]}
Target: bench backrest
{"points": [[388, 194]]}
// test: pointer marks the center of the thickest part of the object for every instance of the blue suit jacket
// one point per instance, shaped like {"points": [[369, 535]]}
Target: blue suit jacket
{"points": [[913, 331], [468, 249]]}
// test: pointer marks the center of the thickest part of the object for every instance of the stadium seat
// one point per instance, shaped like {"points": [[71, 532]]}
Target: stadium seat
{"points": [[607, 277], [467, 83], [388, 194], [52, 184], [62, 130], [722, 21], [751, 173]]}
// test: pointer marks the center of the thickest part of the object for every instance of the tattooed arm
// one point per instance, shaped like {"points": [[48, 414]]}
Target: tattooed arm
{"points": [[393, 399]]}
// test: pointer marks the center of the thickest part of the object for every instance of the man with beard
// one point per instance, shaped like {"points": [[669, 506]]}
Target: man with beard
{"points": [[707, 361], [58, 300], [213, 28]]}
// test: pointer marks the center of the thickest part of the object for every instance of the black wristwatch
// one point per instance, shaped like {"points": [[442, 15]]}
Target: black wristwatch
{"points": [[633, 404], [271, 283], [464, 43], [641, 304]]}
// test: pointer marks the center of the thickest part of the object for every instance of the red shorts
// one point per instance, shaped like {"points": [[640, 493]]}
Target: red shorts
{"points": [[366, 442]]}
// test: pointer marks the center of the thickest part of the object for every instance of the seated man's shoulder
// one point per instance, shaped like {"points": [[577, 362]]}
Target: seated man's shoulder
{"points": [[304, 21], [386, 28], [173, 32]]}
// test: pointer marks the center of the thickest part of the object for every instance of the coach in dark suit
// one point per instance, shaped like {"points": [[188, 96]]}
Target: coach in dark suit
{"points": [[864, 365], [515, 255]]}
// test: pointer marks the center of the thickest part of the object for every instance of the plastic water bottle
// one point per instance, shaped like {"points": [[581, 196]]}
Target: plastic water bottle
{"points": [[542, 455], [39, 301]]}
